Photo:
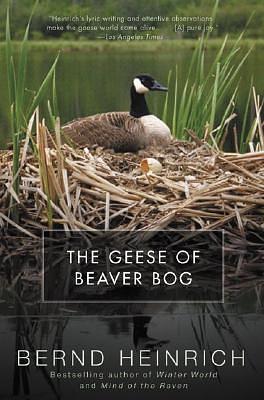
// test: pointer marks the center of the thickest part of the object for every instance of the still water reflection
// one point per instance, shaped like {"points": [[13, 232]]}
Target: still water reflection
{"points": [[164, 330]]}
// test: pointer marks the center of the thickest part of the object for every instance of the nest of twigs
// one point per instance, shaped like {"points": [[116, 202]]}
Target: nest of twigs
{"points": [[197, 188]]}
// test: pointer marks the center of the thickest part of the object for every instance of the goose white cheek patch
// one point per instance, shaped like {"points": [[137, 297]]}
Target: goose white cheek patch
{"points": [[140, 88]]}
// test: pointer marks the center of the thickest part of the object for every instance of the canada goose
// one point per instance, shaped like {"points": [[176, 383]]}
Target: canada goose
{"points": [[123, 131]]}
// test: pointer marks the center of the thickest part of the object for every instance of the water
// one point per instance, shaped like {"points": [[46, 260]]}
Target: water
{"points": [[89, 83], [26, 324], [169, 329]]}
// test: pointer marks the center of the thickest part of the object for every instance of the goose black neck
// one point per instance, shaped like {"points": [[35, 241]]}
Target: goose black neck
{"points": [[138, 106]]}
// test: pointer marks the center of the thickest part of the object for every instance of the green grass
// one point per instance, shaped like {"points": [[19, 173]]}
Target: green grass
{"points": [[208, 93], [21, 107]]}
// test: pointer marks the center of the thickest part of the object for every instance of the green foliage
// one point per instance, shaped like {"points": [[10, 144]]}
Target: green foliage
{"points": [[231, 18], [20, 108], [207, 94]]}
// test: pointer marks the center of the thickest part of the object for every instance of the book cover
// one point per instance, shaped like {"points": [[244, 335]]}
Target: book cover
{"points": [[131, 199]]}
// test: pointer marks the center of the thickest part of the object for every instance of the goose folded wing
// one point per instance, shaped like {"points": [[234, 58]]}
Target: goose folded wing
{"points": [[118, 131]]}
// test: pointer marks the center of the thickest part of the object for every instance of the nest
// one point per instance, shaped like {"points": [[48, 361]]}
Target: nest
{"points": [[197, 188]]}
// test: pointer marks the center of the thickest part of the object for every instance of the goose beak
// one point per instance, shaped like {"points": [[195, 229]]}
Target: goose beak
{"points": [[157, 86]]}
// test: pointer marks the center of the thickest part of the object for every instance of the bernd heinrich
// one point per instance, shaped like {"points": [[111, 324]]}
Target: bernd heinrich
{"points": [[128, 357]]}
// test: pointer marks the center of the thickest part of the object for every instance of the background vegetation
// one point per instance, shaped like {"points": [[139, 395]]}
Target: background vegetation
{"points": [[231, 18]]}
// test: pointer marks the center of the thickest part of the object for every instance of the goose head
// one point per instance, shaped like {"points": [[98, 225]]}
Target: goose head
{"points": [[144, 83], [141, 85]]}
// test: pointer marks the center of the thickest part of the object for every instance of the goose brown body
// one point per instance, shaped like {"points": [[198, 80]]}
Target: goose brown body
{"points": [[117, 130]]}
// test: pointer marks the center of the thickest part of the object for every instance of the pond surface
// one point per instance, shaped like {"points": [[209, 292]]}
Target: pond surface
{"points": [[168, 331], [26, 323], [89, 83]]}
